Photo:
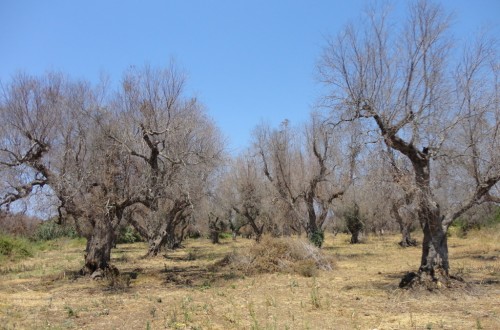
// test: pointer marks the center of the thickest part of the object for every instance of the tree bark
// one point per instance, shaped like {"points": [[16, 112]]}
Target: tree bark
{"points": [[312, 226], [435, 243], [154, 245], [258, 231], [356, 237], [155, 242], [99, 245], [406, 240], [165, 234], [404, 227]]}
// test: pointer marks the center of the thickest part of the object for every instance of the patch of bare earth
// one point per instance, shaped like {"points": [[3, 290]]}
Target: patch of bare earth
{"points": [[189, 289]]}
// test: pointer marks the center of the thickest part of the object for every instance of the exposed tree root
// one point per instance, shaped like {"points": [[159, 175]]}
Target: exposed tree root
{"points": [[438, 281], [408, 242], [100, 273]]}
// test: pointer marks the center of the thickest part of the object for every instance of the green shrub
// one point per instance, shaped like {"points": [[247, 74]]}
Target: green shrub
{"points": [[475, 219], [317, 238], [225, 235], [50, 230], [15, 247], [128, 234], [494, 218], [354, 222]]}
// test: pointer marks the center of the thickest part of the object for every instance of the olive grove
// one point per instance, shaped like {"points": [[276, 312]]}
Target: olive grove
{"points": [[436, 107], [144, 154]]}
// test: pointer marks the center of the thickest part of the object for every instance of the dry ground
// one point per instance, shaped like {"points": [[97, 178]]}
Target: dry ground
{"points": [[182, 290]]}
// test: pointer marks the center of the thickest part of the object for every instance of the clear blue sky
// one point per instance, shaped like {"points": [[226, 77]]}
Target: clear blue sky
{"points": [[247, 60]]}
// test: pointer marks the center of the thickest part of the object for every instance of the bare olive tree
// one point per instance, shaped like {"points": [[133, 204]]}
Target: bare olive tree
{"points": [[53, 139], [404, 84], [310, 175], [175, 144], [402, 197], [279, 152], [245, 192], [30, 114]]}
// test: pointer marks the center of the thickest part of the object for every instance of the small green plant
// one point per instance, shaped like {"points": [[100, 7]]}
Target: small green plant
{"points": [[315, 299], [128, 234], [317, 238], [255, 324], [71, 312], [186, 307], [205, 285], [225, 235], [293, 284], [494, 218]]}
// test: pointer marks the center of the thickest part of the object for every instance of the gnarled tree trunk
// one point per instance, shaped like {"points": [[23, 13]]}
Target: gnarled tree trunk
{"points": [[434, 264], [404, 227], [435, 244], [99, 245], [165, 234]]}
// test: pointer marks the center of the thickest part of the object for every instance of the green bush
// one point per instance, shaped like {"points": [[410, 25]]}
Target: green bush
{"points": [[50, 230], [128, 234], [317, 238], [15, 247], [354, 222], [494, 218], [475, 220], [225, 235]]}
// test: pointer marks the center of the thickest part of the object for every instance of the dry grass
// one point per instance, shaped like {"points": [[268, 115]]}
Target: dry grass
{"points": [[185, 291]]}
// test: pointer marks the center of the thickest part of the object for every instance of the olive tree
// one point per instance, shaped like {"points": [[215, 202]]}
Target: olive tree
{"points": [[245, 192], [54, 139], [308, 174], [279, 152], [431, 105], [175, 145]]}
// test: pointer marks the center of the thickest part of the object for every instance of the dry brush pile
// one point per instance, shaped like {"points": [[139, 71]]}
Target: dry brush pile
{"points": [[279, 255]]}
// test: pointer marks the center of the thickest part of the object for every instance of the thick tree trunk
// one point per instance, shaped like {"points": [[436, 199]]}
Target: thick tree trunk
{"points": [[156, 242], [154, 246], [312, 225], [404, 227], [99, 245], [356, 236], [172, 241], [406, 240], [435, 244], [258, 231], [165, 235], [434, 265]]}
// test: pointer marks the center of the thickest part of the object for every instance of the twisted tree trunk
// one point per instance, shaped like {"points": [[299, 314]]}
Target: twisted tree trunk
{"points": [[99, 245], [404, 227]]}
